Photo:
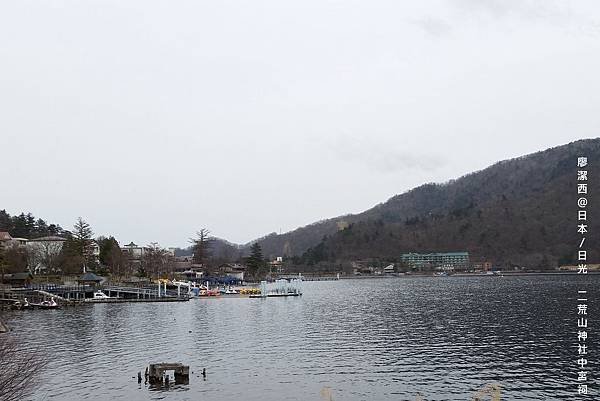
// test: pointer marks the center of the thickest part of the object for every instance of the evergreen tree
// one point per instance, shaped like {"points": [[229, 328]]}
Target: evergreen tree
{"points": [[202, 248], [83, 242], [41, 228], [70, 259], [5, 221], [27, 226], [111, 255], [19, 226], [255, 262]]}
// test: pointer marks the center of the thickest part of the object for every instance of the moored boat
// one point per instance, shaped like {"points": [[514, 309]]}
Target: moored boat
{"points": [[101, 295], [46, 304]]}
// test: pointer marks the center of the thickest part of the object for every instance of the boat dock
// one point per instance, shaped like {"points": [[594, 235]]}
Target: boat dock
{"points": [[71, 295], [310, 277], [280, 288], [122, 300]]}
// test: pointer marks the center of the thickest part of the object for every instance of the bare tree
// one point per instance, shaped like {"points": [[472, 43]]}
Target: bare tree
{"points": [[156, 260], [43, 255], [19, 369]]}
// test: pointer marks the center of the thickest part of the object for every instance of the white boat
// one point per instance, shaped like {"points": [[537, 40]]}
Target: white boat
{"points": [[181, 283], [100, 295], [231, 291], [46, 304]]}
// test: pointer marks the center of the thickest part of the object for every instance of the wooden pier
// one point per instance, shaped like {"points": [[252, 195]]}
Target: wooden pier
{"points": [[122, 300], [275, 295], [156, 372], [73, 295]]}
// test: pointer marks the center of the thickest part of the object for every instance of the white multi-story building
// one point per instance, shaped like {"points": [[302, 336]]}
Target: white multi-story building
{"points": [[438, 260]]}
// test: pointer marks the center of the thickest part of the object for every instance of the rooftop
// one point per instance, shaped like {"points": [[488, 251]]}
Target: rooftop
{"points": [[5, 236], [18, 276], [48, 239], [90, 277]]}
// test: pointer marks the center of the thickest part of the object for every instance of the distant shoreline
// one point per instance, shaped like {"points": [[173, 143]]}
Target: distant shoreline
{"points": [[501, 274]]}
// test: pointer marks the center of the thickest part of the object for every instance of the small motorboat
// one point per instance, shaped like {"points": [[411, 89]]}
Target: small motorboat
{"points": [[231, 290], [207, 292], [101, 295]]}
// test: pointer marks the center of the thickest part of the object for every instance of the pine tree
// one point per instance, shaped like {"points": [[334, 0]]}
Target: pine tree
{"points": [[83, 242], [255, 262], [111, 255]]}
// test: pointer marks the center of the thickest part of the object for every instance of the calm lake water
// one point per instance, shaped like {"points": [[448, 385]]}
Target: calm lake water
{"points": [[371, 339]]}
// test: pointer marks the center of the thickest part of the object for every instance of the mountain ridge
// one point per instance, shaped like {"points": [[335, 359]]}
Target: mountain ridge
{"points": [[510, 185]]}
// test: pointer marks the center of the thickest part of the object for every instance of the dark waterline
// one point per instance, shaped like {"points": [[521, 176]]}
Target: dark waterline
{"points": [[380, 339]]}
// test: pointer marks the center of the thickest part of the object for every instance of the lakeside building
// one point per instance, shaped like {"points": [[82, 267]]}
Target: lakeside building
{"points": [[482, 266], [234, 270], [573, 268], [134, 251], [446, 261], [18, 279], [369, 267], [276, 265], [8, 241], [182, 263]]}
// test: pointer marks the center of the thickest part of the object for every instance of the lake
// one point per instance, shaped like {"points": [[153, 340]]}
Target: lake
{"points": [[366, 339]]}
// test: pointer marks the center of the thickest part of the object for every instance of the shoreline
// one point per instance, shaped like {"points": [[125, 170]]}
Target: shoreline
{"points": [[500, 274]]}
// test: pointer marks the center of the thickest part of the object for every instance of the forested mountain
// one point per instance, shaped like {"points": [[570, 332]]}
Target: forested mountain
{"points": [[517, 212]]}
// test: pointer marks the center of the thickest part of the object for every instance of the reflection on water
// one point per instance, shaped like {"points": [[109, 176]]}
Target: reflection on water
{"points": [[384, 339]]}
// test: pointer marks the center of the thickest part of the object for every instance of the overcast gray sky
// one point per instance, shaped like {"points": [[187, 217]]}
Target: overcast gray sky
{"points": [[151, 119]]}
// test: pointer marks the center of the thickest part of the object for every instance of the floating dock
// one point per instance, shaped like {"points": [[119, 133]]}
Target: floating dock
{"points": [[280, 288], [123, 300], [289, 294]]}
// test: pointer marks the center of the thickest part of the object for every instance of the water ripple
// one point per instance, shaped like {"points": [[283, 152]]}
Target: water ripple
{"points": [[363, 339]]}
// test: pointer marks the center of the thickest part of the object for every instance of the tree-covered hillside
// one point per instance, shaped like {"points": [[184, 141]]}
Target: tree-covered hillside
{"points": [[517, 212]]}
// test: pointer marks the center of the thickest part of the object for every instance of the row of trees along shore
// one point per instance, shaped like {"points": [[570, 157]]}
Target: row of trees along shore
{"points": [[81, 252]]}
